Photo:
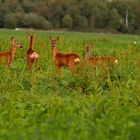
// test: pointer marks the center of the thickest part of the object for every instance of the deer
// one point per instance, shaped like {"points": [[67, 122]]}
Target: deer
{"points": [[31, 55], [69, 60], [9, 55], [99, 60]]}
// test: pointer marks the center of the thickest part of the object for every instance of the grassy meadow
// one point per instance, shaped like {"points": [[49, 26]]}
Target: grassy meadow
{"points": [[101, 104]]}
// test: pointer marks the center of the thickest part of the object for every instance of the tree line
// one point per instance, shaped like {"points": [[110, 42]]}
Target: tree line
{"points": [[82, 15]]}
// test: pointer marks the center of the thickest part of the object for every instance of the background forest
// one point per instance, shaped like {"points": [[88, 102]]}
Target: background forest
{"points": [[82, 15]]}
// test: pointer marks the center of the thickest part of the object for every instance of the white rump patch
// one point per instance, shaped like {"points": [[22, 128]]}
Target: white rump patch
{"points": [[116, 61], [77, 59], [34, 55]]}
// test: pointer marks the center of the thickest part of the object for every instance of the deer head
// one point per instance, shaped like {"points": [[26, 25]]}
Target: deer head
{"points": [[53, 41], [29, 35], [88, 47], [14, 43]]}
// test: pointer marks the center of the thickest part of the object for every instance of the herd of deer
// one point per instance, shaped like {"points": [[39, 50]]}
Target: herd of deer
{"points": [[69, 60]]}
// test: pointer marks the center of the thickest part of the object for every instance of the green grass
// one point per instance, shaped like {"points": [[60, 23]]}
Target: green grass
{"points": [[90, 104]]}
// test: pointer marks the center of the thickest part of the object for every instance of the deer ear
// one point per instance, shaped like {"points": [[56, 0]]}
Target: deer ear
{"points": [[50, 37], [33, 33], [57, 38], [28, 35], [92, 45], [84, 44], [12, 38]]}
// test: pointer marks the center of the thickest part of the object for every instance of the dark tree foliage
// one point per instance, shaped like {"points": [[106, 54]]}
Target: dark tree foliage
{"points": [[83, 15]]}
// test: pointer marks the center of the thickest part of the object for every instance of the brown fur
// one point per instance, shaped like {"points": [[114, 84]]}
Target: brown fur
{"points": [[69, 60], [99, 60], [9, 55], [31, 55]]}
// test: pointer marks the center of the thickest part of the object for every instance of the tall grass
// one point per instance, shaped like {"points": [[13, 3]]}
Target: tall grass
{"points": [[88, 104]]}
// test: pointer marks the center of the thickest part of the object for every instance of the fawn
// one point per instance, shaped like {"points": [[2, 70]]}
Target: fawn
{"points": [[99, 60], [69, 60], [9, 55], [31, 55]]}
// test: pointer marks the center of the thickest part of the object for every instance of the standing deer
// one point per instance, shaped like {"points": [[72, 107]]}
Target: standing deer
{"points": [[69, 60], [99, 60], [31, 55], [9, 55]]}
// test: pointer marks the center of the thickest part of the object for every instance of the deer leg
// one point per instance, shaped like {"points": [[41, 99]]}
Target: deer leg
{"points": [[58, 69], [36, 66], [29, 65], [8, 62], [71, 65], [0, 60]]}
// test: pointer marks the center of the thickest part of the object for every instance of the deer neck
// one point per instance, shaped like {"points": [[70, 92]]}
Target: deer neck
{"points": [[87, 55], [31, 43], [12, 51], [55, 51]]}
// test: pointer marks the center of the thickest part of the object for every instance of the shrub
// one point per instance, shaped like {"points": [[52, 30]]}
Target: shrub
{"points": [[67, 21], [10, 20], [35, 21]]}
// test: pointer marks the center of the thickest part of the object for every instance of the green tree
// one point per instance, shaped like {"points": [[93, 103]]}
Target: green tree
{"points": [[67, 21], [100, 17], [74, 14], [79, 22], [35, 21], [42, 9], [2, 15], [56, 13], [28, 6], [115, 20], [10, 21]]}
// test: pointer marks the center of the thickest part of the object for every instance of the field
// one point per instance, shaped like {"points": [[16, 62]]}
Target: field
{"points": [[101, 104]]}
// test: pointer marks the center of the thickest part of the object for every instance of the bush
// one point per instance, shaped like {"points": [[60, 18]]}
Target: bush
{"points": [[80, 22], [14, 20], [35, 21], [115, 19], [67, 21], [10, 20]]}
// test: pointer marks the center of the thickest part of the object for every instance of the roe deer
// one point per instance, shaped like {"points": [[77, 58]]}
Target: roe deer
{"points": [[69, 60], [31, 55], [9, 55], [99, 60]]}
